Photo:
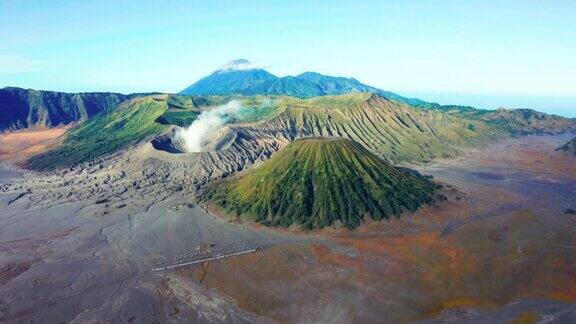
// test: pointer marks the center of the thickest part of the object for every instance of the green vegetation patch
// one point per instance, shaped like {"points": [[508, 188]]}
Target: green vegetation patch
{"points": [[257, 113], [107, 133], [182, 118], [321, 182]]}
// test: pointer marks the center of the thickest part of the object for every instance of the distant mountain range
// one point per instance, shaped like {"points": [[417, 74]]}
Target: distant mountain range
{"points": [[241, 77], [27, 108]]}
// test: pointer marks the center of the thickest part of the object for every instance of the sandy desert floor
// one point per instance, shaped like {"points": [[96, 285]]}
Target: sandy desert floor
{"points": [[502, 247]]}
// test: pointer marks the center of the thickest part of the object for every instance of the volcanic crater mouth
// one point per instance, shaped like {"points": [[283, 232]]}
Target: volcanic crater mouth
{"points": [[217, 141], [168, 143]]}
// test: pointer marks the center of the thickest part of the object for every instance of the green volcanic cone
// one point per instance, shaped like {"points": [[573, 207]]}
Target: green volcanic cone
{"points": [[321, 182]]}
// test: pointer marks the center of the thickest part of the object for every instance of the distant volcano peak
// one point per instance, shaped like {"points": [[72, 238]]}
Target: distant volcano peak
{"points": [[237, 65]]}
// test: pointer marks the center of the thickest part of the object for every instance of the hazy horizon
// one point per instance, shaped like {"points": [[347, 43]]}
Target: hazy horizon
{"points": [[486, 55]]}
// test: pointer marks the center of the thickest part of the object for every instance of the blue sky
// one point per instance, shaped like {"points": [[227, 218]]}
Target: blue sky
{"points": [[482, 53]]}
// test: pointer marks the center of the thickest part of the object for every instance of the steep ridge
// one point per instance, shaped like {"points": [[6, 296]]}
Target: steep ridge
{"points": [[27, 108], [331, 85], [129, 124], [317, 182], [516, 122], [528, 121], [396, 131]]}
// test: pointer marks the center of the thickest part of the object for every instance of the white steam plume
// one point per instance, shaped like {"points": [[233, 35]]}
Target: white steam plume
{"points": [[195, 136]]}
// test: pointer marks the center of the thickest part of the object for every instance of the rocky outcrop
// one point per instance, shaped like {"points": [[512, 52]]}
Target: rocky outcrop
{"points": [[569, 148]]}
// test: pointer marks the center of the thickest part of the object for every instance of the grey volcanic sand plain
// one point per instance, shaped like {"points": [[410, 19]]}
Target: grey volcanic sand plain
{"points": [[78, 261], [90, 260]]}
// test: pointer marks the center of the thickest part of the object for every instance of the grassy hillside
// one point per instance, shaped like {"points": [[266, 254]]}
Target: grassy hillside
{"points": [[182, 118], [320, 182], [104, 134]]}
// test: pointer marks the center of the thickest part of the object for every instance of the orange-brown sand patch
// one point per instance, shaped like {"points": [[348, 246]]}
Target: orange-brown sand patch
{"points": [[526, 318], [421, 270], [20, 145]]}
